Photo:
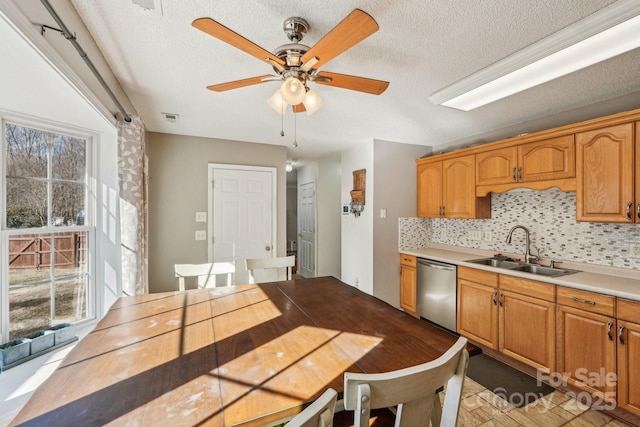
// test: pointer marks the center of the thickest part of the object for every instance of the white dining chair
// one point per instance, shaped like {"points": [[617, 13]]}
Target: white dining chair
{"points": [[319, 413], [413, 390], [270, 263], [205, 273]]}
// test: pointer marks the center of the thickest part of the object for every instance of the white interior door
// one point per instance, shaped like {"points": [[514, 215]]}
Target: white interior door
{"points": [[242, 217], [307, 229]]}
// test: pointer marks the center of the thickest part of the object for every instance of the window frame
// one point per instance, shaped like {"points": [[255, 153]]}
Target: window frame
{"points": [[90, 214]]}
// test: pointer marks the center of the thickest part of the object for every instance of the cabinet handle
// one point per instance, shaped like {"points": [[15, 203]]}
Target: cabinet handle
{"points": [[442, 210], [586, 301], [609, 326], [620, 334], [629, 211], [500, 299], [519, 173], [513, 173], [495, 294], [638, 211]]}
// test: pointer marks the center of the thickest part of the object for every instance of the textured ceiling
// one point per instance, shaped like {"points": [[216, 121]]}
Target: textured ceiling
{"points": [[164, 65]]}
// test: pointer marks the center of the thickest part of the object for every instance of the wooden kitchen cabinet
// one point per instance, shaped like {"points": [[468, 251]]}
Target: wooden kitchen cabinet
{"points": [[628, 314], [477, 315], [527, 313], [446, 189], [408, 281], [586, 341], [606, 173], [546, 160]]}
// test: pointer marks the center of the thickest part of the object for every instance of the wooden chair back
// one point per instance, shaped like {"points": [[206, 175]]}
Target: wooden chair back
{"points": [[205, 273], [268, 263], [413, 390], [319, 413]]}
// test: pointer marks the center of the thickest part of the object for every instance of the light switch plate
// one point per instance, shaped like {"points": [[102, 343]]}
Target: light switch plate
{"points": [[383, 213], [201, 235], [201, 217], [475, 235]]}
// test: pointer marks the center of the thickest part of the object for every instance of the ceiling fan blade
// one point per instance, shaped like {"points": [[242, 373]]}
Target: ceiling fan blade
{"points": [[239, 83], [361, 84], [298, 108], [356, 27], [221, 32]]}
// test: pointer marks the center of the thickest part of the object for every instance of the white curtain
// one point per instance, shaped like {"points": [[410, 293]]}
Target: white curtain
{"points": [[133, 205]]}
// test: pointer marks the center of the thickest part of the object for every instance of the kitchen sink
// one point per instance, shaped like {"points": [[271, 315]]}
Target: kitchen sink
{"points": [[493, 262], [536, 269], [543, 271]]}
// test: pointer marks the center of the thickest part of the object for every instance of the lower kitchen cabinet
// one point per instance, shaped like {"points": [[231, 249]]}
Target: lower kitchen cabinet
{"points": [[408, 281], [586, 341], [512, 315], [629, 356], [527, 322], [477, 315]]}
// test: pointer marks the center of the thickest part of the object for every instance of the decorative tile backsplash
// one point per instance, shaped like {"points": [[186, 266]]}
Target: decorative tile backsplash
{"points": [[549, 215]]}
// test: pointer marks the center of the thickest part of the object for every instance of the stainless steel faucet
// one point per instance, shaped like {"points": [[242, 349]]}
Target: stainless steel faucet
{"points": [[528, 257]]}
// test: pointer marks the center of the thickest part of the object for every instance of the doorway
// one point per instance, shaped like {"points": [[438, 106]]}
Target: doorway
{"points": [[242, 217], [307, 229]]}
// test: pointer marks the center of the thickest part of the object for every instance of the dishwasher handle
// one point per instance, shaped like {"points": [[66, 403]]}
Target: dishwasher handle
{"points": [[433, 264]]}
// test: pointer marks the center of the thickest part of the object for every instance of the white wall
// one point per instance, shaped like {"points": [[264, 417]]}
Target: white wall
{"points": [[357, 233], [31, 87]]}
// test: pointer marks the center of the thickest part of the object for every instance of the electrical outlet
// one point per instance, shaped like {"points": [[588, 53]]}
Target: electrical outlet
{"points": [[201, 235], [444, 233], [475, 235], [634, 250], [201, 217], [487, 235]]}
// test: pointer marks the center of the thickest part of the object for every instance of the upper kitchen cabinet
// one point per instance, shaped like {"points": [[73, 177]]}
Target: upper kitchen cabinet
{"points": [[539, 165], [605, 175], [446, 189]]}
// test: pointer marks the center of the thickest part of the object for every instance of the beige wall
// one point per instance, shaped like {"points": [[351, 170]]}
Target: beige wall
{"points": [[394, 189], [178, 167]]}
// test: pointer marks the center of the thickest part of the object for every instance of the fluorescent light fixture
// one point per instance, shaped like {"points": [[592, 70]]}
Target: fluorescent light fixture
{"points": [[608, 32]]}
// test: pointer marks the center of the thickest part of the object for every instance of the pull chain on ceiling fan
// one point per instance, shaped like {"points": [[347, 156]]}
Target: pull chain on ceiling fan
{"points": [[296, 65]]}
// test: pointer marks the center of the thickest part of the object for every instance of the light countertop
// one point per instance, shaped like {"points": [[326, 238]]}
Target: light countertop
{"points": [[605, 280]]}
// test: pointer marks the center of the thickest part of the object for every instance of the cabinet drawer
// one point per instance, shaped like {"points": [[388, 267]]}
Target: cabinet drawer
{"points": [[588, 301], [408, 260], [532, 288], [628, 310], [478, 276]]}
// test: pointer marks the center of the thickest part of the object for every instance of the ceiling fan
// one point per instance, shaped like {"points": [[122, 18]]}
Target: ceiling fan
{"points": [[296, 65]]}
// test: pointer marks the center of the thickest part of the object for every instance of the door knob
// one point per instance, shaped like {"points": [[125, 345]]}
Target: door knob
{"points": [[267, 248]]}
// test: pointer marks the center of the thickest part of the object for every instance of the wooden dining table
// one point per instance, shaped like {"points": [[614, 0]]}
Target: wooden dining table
{"points": [[228, 356]]}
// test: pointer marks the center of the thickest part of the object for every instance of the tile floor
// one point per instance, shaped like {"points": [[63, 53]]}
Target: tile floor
{"points": [[482, 407]]}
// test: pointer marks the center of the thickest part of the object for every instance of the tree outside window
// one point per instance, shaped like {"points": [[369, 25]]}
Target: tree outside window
{"points": [[46, 195]]}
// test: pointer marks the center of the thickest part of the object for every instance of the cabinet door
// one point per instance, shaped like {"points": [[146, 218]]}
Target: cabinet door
{"points": [[546, 160], [408, 288], [527, 330], [429, 189], [587, 351], [459, 187], [497, 166], [605, 173], [629, 366], [478, 313]]}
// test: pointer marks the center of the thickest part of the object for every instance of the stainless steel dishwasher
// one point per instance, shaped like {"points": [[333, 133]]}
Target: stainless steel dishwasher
{"points": [[436, 292]]}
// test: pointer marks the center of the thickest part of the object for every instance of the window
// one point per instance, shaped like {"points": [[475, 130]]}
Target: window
{"points": [[46, 230]]}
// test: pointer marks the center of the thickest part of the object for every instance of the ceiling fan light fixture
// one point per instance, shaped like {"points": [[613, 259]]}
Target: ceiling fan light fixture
{"points": [[608, 32], [312, 101], [292, 91], [276, 102]]}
